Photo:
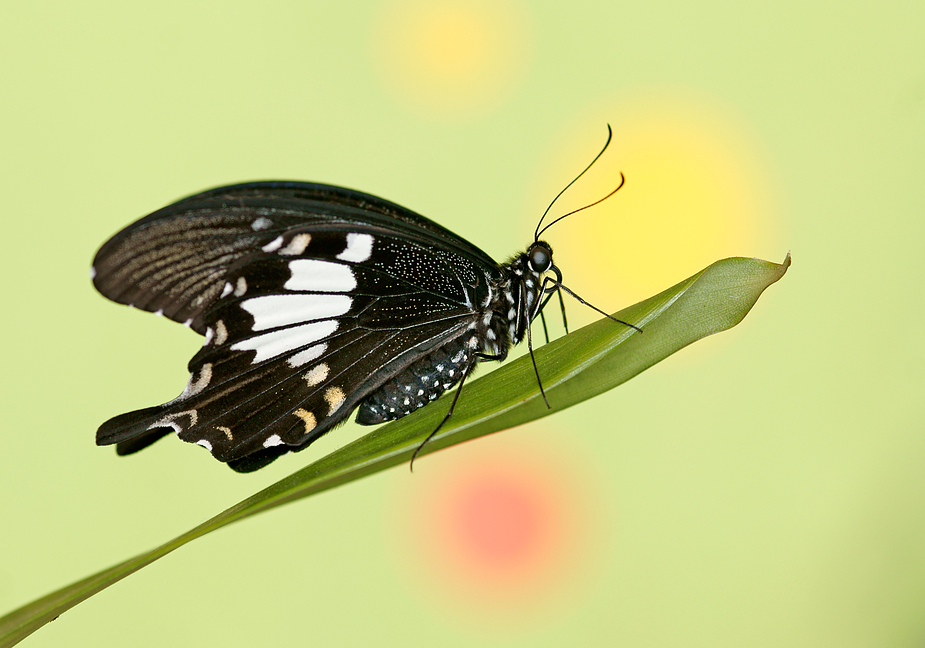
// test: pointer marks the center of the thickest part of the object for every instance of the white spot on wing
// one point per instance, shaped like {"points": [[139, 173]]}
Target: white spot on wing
{"points": [[165, 423], [196, 385], [306, 356], [317, 374], [320, 276], [273, 441], [359, 248], [271, 311], [188, 323], [297, 245], [205, 444], [92, 273], [169, 420], [261, 224], [221, 333], [273, 245], [275, 343], [227, 289], [240, 287], [159, 312]]}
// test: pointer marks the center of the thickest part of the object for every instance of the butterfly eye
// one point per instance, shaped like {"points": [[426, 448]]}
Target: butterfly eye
{"points": [[540, 257]]}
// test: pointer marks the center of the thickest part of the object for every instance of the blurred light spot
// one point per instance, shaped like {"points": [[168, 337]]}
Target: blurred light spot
{"points": [[501, 530], [503, 522], [450, 59], [696, 191]]}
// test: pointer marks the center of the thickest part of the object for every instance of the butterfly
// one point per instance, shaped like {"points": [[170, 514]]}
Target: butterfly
{"points": [[314, 301]]}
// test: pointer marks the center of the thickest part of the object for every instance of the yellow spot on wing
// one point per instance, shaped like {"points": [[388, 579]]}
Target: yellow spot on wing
{"points": [[335, 398], [227, 431], [308, 417]]}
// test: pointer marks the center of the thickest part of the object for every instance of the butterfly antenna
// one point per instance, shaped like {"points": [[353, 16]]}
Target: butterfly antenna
{"points": [[575, 211], [539, 231]]}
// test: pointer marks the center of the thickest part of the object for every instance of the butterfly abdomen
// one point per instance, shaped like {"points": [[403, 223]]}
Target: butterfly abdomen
{"points": [[421, 383]]}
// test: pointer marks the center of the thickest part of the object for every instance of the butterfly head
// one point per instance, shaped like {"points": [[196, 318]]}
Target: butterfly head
{"points": [[525, 286], [539, 257]]}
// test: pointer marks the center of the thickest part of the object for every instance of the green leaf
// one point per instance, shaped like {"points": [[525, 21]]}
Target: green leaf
{"points": [[574, 368]]}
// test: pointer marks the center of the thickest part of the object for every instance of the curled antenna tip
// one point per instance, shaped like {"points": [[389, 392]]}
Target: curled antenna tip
{"points": [[575, 211], [538, 231]]}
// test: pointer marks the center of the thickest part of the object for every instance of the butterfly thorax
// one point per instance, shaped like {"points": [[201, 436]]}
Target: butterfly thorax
{"points": [[516, 305]]}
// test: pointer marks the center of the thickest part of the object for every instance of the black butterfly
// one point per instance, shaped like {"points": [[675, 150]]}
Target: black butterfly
{"points": [[314, 300]]}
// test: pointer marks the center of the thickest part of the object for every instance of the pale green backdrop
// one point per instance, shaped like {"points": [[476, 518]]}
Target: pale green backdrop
{"points": [[763, 488]]}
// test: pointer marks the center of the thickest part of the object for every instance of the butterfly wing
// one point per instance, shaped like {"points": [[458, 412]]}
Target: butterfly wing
{"points": [[310, 297]]}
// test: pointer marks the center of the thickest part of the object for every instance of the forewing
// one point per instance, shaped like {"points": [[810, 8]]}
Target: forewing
{"points": [[176, 261]]}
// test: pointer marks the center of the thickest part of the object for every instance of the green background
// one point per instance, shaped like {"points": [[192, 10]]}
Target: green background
{"points": [[764, 487]]}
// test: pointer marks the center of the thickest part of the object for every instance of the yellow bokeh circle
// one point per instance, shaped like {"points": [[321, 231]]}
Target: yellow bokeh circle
{"points": [[450, 59], [697, 190]]}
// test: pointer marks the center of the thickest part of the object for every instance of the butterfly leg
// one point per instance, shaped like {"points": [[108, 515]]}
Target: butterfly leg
{"points": [[449, 413], [561, 286], [549, 292], [545, 330], [536, 370], [531, 315], [562, 307]]}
